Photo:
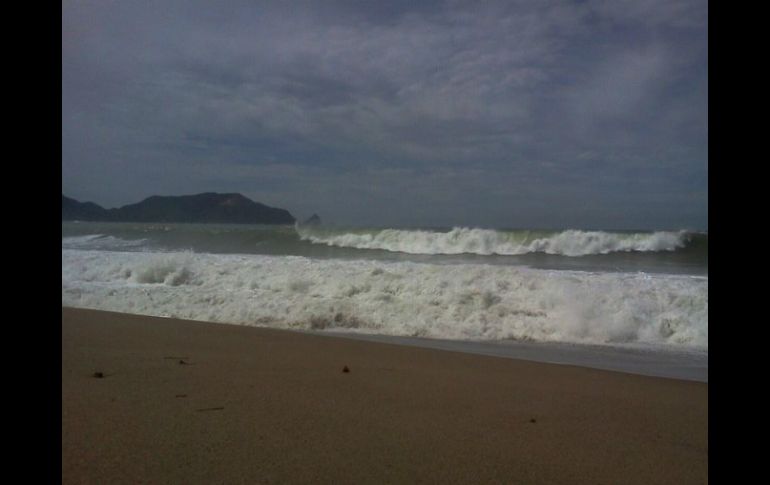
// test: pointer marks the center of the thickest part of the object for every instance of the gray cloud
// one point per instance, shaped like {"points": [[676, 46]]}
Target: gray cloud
{"points": [[585, 113]]}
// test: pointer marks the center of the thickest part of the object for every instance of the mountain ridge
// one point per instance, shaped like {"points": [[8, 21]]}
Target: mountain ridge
{"points": [[206, 207]]}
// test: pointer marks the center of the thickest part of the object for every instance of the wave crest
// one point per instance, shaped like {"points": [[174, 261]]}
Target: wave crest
{"points": [[100, 241], [463, 240]]}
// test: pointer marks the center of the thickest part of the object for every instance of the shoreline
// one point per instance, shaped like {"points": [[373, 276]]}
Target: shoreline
{"points": [[672, 363], [255, 405], [680, 364]]}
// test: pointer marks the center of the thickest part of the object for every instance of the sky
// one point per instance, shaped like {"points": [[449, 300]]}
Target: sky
{"points": [[538, 114]]}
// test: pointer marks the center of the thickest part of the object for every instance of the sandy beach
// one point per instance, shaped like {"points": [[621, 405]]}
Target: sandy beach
{"points": [[191, 402]]}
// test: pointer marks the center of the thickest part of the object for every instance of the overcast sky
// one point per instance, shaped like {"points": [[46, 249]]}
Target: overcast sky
{"points": [[558, 114]]}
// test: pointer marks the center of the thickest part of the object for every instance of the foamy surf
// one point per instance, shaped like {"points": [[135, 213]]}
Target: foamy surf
{"points": [[100, 241], [460, 302], [462, 240]]}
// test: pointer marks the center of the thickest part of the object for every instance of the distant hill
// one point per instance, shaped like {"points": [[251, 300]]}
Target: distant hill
{"points": [[71, 209], [208, 207]]}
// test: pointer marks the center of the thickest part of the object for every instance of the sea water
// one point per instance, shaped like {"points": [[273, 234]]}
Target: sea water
{"points": [[633, 300]]}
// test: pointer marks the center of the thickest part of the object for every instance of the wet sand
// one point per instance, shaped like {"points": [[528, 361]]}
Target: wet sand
{"points": [[192, 402]]}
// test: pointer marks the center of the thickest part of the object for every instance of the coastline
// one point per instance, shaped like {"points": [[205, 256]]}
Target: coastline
{"points": [[671, 363], [254, 405]]}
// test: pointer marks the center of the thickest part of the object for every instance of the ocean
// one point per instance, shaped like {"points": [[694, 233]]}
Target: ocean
{"points": [[622, 300]]}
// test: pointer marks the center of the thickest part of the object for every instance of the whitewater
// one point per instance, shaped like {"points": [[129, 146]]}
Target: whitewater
{"points": [[460, 284], [463, 240]]}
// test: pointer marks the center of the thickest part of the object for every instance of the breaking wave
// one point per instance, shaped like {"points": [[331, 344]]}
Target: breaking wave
{"points": [[462, 302], [100, 241], [461, 240]]}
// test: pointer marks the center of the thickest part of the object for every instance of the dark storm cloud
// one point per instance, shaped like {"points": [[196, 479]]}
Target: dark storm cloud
{"points": [[495, 113]]}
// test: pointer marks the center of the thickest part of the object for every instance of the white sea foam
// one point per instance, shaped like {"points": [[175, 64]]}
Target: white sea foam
{"points": [[100, 241], [486, 241], [464, 301]]}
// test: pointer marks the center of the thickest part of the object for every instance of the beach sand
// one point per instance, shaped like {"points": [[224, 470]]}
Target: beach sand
{"points": [[250, 405]]}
